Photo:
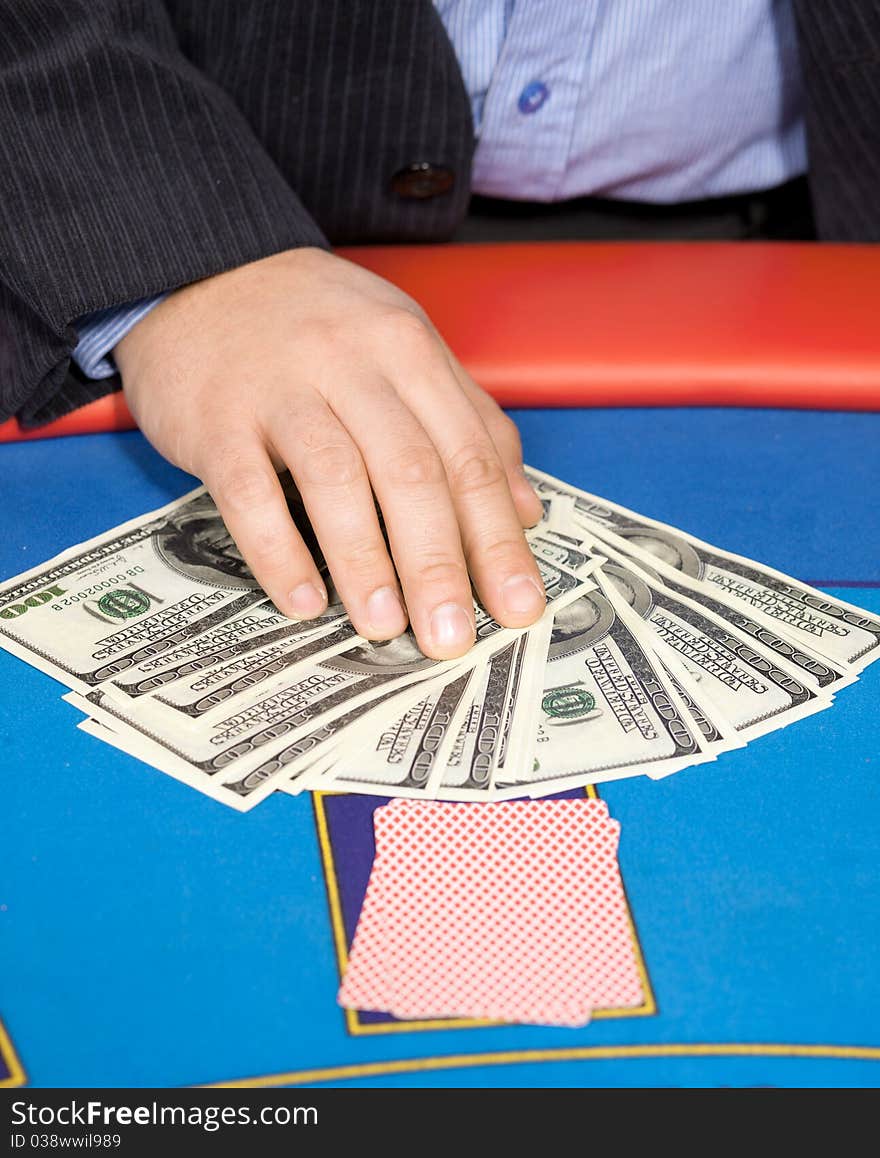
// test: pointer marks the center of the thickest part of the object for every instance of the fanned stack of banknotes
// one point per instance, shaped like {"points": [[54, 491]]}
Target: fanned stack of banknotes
{"points": [[657, 651]]}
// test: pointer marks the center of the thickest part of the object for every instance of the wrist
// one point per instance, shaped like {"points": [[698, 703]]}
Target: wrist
{"points": [[209, 303]]}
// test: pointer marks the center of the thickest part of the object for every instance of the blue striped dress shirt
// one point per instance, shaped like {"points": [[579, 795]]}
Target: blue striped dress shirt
{"points": [[644, 100]]}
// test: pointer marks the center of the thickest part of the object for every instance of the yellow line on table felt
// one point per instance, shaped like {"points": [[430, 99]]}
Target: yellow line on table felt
{"points": [[576, 1053], [16, 1075]]}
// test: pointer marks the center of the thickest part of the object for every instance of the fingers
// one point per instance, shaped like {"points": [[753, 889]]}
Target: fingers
{"points": [[504, 570], [333, 482], [394, 453], [354, 391], [506, 437], [498, 557], [445, 465], [249, 497], [507, 441]]}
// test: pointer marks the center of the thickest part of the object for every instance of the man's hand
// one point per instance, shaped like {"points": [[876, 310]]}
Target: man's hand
{"points": [[305, 361]]}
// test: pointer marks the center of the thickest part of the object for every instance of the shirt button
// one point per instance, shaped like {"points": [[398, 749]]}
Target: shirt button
{"points": [[532, 97], [422, 180]]}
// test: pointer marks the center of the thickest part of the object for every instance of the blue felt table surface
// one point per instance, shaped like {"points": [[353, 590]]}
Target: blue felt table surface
{"points": [[149, 936]]}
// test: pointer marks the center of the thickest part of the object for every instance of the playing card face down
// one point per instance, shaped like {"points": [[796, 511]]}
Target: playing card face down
{"points": [[510, 911]]}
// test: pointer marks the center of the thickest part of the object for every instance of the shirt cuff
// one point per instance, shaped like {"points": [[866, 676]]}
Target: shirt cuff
{"points": [[99, 333]]}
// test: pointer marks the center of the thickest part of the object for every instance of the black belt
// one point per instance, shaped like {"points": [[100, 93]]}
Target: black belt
{"points": [[781, 214]]}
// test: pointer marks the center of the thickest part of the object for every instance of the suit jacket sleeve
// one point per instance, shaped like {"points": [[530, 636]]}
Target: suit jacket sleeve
{"points": [[840, 60], [124, 172]]}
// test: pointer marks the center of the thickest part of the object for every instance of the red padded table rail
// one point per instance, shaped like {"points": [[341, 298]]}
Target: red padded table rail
{"points": [[647, 324]]}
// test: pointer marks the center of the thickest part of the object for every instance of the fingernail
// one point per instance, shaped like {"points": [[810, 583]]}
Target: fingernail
{"points": [[522, 595], [385, 612], [307, 601], [451, 628]]}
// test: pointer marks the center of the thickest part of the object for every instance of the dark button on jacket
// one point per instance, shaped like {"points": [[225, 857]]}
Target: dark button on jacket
{"points": [[422, 180]]}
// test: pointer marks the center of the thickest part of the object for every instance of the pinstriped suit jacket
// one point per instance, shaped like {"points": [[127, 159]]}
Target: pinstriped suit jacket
{"points": [[145, 144]]}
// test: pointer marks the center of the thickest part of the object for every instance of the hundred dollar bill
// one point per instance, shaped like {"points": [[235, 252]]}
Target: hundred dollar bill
{"points": [[607, 708], [236, 742], [719, 734], [846, 635], [227, 746], [208, 696], [129, 595], [470, 777], [754, 689], [580, 556], [292, 762], [255, 628], [398, 759], [197, 685], [305, 760], [192, 690], [497, 737], [515, 750], [318, 748], [454, 773], [818, 673], [106, 735], [193, 708]]}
